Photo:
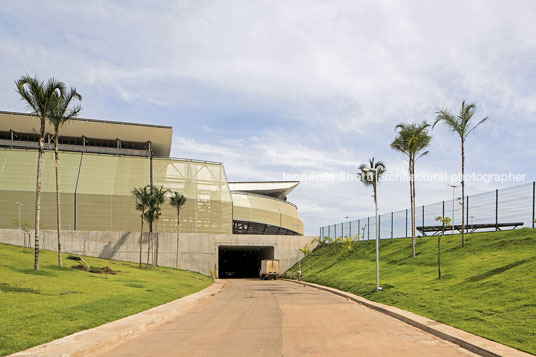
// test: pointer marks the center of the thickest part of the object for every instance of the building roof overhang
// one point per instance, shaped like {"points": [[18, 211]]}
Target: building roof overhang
{"points": [[277, 189], [159, 136]]}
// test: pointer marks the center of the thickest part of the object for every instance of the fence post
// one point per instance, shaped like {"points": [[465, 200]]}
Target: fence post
{"points": [[329, 230], [359, 229], [406, 222], [368, 228], [443, 215], [496, 209], [391, 224], [533, 200], [423, 216]]}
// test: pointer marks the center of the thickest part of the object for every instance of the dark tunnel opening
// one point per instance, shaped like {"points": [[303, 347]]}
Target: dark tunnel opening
{"points": [[236, 262]]}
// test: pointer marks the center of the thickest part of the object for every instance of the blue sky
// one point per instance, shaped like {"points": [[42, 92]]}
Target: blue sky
{"points": [[295, 87]]}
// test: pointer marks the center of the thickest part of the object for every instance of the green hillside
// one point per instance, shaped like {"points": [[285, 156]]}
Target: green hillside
{"points": [[37, 307], [488, 287]]}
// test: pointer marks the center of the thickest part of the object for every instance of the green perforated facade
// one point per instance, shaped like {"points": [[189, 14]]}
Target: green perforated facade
{"points": [[96, 191]]}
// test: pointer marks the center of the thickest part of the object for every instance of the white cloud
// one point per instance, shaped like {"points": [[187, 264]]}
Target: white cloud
{"points": [[328, 81]]}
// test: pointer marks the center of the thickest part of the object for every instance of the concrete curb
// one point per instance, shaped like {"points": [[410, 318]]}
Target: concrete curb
{"points": [[469, 341], [105, 337]]}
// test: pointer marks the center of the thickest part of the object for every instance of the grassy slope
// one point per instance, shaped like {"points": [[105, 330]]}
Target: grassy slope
{"points": [[37, 307], [488, 287]]}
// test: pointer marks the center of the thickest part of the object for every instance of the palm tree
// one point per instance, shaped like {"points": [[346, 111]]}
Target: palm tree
{"points": [[177, 200], [39, 96], [61, 113], [318, 241], [142, 196], [152, 214], [372, 177], [347, 243], [460, 124], [306, 250], [446, 222], [411, 140]]}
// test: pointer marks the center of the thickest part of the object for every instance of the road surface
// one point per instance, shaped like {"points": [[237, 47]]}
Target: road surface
{"points": [[278, 318]]}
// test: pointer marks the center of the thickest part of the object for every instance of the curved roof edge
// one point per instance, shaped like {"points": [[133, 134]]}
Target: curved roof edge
{"points": [[276, 189]]}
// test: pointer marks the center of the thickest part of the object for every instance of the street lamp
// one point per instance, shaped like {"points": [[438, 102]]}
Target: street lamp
{"points": [[375, 170], [299, 255], [20, 204], [453, 199]]}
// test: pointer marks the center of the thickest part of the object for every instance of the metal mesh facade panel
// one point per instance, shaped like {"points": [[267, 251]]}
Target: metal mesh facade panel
{"points": [[289, 217], [255, 208], [208, 207], [96, 193]]}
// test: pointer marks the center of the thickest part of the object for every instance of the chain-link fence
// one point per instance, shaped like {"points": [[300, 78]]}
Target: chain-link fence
{"points": [[489, 211]]}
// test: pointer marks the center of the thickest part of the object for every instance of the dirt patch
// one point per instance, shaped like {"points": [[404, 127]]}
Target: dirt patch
{"points": [[96, 270]]}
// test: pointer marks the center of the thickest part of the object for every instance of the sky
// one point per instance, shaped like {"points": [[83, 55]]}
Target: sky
{"points": [[296, 89]]}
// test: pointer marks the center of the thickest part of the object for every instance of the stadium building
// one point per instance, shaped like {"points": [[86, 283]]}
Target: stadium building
{"points": [[102, 161]]}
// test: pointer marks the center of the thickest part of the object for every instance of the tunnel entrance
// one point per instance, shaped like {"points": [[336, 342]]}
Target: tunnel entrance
{"points": [[235, 262]]}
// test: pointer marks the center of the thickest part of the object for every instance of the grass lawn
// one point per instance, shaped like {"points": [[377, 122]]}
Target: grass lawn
{"points": [[37, 307], [488, 287]]}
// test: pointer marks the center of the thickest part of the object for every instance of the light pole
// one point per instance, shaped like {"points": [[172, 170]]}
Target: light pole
{"points": [[375, 170], [299, 255], [453, 199], [20, 204]]}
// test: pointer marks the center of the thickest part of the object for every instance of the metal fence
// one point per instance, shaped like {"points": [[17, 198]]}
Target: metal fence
{"points": [[493, 208]]}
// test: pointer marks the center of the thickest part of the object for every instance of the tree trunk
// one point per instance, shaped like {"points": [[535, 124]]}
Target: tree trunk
{"points": [[463, 193], [439, 255], [178, 229], [414, 220], [156, 245], [149, 244], [412, 199], [38, 196], [141, 236], [58, 211]]}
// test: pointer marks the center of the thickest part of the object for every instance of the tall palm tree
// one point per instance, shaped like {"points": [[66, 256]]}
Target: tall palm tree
{"points": [[60, 113], [461, 125], [177, 200], [411, 140], [39, 97], [369, 177], [152, 214], [143, 196]]}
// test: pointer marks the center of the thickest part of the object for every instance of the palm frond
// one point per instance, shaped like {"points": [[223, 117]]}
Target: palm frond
{"points": [[177, 200], [460, 123], [474, 127], [411, 139], [61, 110], [368, 177]]}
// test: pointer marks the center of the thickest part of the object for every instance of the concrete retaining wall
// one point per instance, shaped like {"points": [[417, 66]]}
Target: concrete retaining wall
{"points": [[197, 251]]}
